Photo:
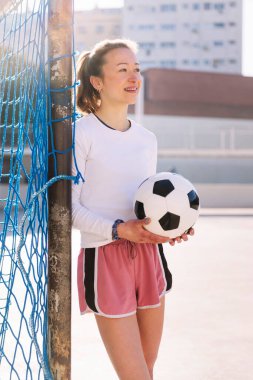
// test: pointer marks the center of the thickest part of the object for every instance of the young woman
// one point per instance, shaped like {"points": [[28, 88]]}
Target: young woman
{"points": [[122, 272]]}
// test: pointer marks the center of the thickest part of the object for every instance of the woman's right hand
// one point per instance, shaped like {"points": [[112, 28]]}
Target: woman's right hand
{"points": [[134, 230]]}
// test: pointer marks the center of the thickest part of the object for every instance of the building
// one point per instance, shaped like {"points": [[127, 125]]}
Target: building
{"points": [[95, 25], [186, 35]]}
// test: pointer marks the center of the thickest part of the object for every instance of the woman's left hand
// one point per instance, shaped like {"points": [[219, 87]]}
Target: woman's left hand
{"points": [[183, 237]]}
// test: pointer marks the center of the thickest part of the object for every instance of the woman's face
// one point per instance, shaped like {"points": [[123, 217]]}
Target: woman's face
{"points": [[121, 77]]}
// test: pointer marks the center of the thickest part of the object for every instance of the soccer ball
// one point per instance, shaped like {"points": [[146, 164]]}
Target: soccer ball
{"points": [[170, 201]]}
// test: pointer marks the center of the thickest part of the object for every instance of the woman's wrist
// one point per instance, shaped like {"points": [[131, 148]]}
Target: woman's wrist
{"points": [[115, 227], [120, 230]]}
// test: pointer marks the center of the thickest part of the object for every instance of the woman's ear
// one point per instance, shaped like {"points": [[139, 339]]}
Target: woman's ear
{"points": [[96, 82]]}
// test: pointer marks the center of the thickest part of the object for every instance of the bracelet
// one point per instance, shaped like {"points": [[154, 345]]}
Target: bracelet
{"points": [[114, 229]]}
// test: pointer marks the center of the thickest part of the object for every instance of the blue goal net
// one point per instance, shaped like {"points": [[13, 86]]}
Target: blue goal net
{"points": [[25, 122]]}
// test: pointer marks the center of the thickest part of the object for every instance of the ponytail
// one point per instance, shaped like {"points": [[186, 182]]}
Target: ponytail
{"points": [[88, 98]]}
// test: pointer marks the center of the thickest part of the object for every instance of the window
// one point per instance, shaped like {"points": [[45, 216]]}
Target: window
{"points": [[195, 62], [218, 43], [232, 24], [218, 62], [232, 61], [147, 45], [232, 42], [207, 6], [168, 63], [185, 6], [148, 64], [195, 6], [205, 47], [146, 27], [219, 7], [168, 44], [195, 29], [99, 29], [116, 30], [219, 24], [168, 7], [185, 62], [232, 4], [168, 26]]}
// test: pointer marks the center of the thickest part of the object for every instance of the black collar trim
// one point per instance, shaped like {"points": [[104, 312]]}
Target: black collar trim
{"points": [[108, 126]]}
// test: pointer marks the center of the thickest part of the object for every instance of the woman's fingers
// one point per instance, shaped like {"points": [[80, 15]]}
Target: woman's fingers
{"points": [[191, 231], [184, 237]]}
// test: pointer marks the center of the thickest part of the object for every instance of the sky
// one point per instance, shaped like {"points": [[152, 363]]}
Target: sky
{"points": [[247, 26]]}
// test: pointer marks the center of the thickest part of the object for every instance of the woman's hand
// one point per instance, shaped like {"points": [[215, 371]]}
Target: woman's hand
{"points": [[134, 230]]}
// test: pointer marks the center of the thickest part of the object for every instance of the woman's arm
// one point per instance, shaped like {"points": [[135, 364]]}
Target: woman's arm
{"points": [[82, 218]]}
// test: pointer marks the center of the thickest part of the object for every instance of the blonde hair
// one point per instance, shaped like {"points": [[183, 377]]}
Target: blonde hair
{"points": [[90, 63]]}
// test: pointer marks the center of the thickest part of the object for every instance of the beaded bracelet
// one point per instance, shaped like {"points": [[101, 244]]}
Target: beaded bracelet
{"points": [[114, 229]]}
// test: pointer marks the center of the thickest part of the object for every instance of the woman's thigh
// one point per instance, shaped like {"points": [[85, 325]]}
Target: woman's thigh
{"points": [[122, 340]]}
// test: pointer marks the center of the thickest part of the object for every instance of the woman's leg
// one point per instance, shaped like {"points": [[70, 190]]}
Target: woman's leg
{"points": [[121, 338], [150, 323]]}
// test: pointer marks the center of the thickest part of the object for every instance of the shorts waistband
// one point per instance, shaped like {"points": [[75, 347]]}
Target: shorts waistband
{"points": [[121, 241], [131, 246]]}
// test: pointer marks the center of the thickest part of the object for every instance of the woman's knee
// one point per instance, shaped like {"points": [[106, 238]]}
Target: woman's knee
{"points": [[150, 359]]}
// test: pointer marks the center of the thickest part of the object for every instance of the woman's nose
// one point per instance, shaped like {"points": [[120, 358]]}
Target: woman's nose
{"points": [[134, 77]]}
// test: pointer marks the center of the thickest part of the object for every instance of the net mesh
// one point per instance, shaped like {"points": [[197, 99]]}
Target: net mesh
{"points": [[24, 123]]}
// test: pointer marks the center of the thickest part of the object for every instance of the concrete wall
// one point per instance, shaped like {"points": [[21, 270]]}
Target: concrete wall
{"points": [[215, 195], [200, 133]]}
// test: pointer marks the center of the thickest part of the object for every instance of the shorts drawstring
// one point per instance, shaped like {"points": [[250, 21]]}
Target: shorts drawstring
{"points": [[132, 250], [131, 246]]}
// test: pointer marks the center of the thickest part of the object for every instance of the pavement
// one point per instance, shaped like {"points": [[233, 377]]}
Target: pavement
{"points": [[208, 329]]}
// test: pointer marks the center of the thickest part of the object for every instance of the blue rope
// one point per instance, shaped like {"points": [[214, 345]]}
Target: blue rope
{"points": [[44, 363]]}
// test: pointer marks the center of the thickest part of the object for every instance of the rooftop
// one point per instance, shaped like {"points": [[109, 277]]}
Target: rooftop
{"points": [[191, 93]]}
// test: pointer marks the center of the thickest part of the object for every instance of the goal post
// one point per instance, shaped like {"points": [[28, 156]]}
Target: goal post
{"points": [[60, 52]]}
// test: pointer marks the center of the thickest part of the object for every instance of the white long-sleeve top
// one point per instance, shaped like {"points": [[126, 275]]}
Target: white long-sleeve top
{"points": [[113, 164]]}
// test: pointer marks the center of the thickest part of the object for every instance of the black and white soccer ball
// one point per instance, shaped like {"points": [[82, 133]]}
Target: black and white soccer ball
{"points": [[170, 201]]}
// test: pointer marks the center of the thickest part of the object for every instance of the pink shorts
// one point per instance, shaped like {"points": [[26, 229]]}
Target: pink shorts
{"points": [[116, 279]]}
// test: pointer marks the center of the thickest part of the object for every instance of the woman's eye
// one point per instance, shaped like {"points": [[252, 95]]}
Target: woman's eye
{"points": [[125, 70]]}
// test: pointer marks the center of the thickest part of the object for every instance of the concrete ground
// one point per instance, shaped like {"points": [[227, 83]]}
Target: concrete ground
{"points": [[208, 330]]}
